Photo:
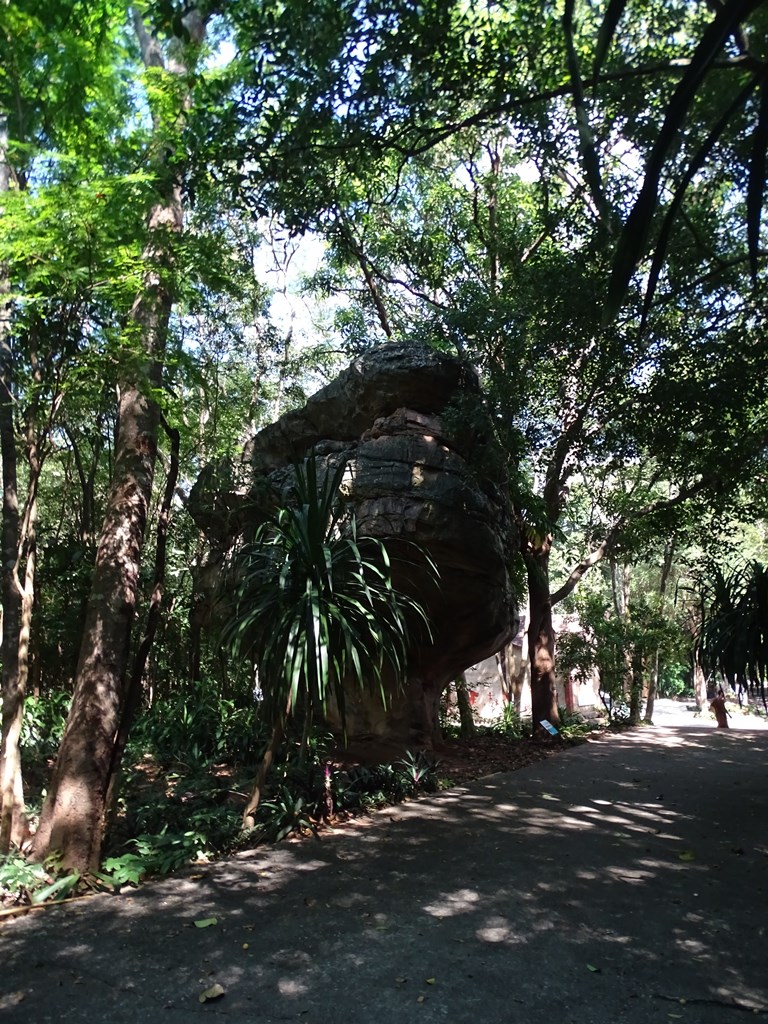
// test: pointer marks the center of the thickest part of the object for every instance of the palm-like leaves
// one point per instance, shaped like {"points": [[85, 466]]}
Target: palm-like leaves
{"points": [[733, 636], [315, 605]]}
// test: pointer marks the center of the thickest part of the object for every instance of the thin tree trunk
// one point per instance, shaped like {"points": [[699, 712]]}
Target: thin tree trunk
{"points": [[249, 814], [306, 730], [13, 826], [620, 588], [541, 640], [666, 569], [466, 718], [523, 676], [87, 478], [358, 251], [620, 592], [699, 684], [636, 689], [12, 815], [653, 689], [12, 819]]}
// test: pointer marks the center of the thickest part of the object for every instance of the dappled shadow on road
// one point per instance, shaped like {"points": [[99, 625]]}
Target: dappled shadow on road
{"points": [[625, 873]]}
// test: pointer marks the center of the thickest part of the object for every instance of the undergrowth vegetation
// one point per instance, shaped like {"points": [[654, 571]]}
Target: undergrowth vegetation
{"points": [[186, 775], [511, 725], [188, 767]]}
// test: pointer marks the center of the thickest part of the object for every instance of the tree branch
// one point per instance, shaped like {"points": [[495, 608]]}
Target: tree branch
{"points": [[675, 67], [587, 147], [583, 567], [613, 534], [368, 274]]}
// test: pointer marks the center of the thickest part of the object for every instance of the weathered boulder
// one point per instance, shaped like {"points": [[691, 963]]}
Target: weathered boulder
{"points": [[420, 468]]}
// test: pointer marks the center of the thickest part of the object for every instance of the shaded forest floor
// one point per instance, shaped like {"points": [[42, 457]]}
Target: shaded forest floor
{"points": [[208, 799], [463, 760], [173, 815]]}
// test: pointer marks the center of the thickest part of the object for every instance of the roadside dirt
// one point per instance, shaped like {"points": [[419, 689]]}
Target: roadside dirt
{"points": [[465, 760]]}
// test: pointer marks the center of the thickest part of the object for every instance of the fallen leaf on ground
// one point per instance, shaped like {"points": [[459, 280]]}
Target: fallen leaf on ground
{"points": [[206, 922], [214, 992], [591, 967], [12, 999], [686, 855], [430, 981]]}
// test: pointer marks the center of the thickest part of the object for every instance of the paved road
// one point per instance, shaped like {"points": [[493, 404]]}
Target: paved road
{"points": [[620, 882], [678, 713]]}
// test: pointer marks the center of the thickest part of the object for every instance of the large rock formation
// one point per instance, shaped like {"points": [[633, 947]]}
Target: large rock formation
{"points": [[421, 468]]}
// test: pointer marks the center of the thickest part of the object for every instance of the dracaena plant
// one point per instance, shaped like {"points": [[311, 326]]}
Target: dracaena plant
{"points": [[732, 638], [316, 610]]}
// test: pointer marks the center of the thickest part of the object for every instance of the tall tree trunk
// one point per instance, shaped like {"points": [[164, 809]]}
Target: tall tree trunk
{"points": [[699, 683], [134, 688], [12, 821], [636, 688], [73, 814], [13, 826], [72, 820], [19, 537], [541, 638], [666, 569], [466, 718], [12, 817]]}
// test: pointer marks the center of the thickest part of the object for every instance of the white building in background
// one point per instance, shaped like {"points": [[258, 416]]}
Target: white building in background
{"points": [[505, 678]]}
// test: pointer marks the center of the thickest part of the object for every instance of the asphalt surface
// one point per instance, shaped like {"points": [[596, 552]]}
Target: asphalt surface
{"points": [[619, 882]]}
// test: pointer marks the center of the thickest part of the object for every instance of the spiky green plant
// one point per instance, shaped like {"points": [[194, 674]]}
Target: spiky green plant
{"points": [[733, 636], [316, 609]]}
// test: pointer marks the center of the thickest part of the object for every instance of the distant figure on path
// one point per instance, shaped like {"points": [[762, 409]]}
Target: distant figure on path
{"points": [[718, 706]]}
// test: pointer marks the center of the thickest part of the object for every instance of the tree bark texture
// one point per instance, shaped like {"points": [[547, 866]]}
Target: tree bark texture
{"points": [[466, 718], [249, 814], [73, 813], [541, 638], [12, 819], [133, 694], [635, 688]]}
